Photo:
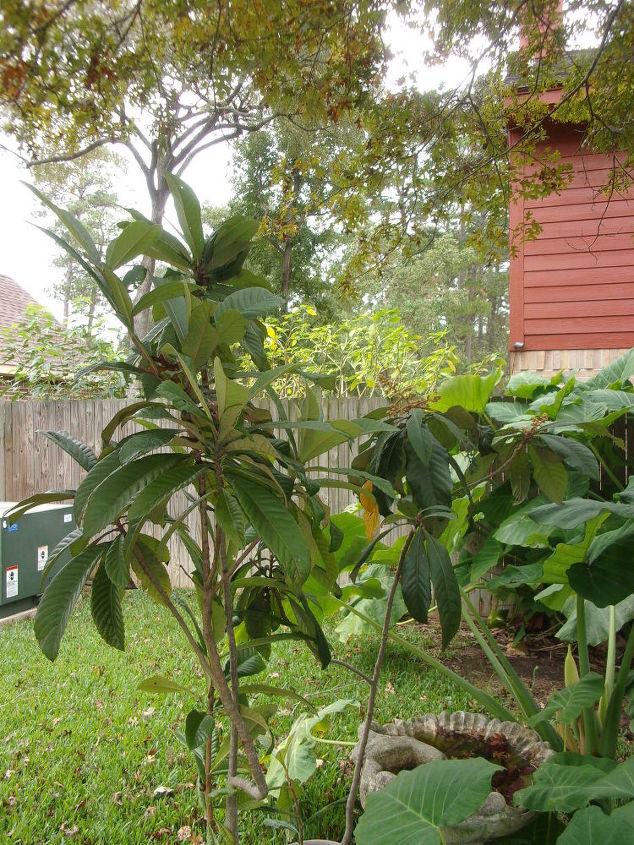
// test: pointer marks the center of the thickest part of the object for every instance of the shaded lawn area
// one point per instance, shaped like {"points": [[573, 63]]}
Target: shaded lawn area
{"points": [[82, 751]]}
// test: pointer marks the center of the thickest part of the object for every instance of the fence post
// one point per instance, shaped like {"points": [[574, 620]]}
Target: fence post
{"points": [[3, 459]]}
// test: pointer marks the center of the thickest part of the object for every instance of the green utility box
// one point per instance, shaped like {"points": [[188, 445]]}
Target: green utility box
{"points": [[25, 547]]}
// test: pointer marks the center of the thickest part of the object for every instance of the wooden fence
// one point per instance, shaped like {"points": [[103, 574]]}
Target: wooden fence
{"points": [[31, 463]]}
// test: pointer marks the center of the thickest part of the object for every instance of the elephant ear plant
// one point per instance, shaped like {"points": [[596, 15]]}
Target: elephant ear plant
{"points": [[537, 482], [253, 524]]}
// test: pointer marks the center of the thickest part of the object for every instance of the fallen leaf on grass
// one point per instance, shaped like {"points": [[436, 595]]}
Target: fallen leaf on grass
{"points": [[184, 833], [163, 790]]}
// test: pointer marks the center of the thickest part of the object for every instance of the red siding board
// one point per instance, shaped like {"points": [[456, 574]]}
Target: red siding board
{"points": [[595, 276], [581, 340], [580, 260], [583, 293], [584, 211], [578, 325], [563, 309]]}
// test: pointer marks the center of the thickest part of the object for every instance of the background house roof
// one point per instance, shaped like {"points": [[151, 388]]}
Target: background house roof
{"points": [[13, 301]]}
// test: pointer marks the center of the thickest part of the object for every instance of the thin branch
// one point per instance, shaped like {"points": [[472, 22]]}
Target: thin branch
{"points": [[62, 157], [363, 741]]}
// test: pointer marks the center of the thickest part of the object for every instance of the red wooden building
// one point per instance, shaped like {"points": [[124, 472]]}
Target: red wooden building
{"points": [[571, 286]]}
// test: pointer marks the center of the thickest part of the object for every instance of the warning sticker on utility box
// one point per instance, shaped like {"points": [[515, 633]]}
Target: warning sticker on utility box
{"points": [[12, 581], [42, 557]]}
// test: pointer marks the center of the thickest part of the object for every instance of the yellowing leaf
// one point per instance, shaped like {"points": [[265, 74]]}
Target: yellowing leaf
{"points": [[370, 512]]}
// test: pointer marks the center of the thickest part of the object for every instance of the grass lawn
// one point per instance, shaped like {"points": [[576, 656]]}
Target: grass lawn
{"points": [[82, 751]]}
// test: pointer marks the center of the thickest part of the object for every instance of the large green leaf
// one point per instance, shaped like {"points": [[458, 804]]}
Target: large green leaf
{"points": [[115, 563], [149, 568], [567, 782], [575, 455], [77, 229], [79, 452], [163, 487], [231, 240], [573, 512], [470, 392], [105, 606], [567, 704], [618, 372], [414, 806], [550, 473], [597, 620], [591, 826], [608, 576], [188, 213], [446, 589], [419, 436], [166, 290], [134, 240], [230, 517], [59, 599], [272, 521], [110, 498], [101, 470], [415, 578], [202, 338], [429, 483], [37, 499], [250, 302], [140, 442]]}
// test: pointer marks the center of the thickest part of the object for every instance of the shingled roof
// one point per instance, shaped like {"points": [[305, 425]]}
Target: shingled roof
{"points": [[13, 301]]}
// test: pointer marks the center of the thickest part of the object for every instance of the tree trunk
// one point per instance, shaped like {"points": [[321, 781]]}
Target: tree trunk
{"points": [[286, 269]]}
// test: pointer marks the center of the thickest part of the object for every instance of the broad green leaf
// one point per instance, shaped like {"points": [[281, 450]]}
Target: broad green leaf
{"points": [[567, 704], [513, 577], [485, 559], [597, 620], [115, 563], [202, 338], [618, 372], [526, 385], [231, 239], [150, 570], [608, 576], [230, 517], [591, 826], [470, 392], [14, 513], [415, 578], [250, 302], [556, 566], [429, 484], [77, 229], [79, 452], [230, 394], [141, 442], [419, 436], [573, 512], [134, 240], [231, 326], [414, 806], [119, 296], [59, 599], [161, 684], [575, 455], [105, 606], [166, 290], [188, 213], [198, 728], [272, 521], [549, 472], [446, 589], [121, 487], [566, 782], [176, 307]]}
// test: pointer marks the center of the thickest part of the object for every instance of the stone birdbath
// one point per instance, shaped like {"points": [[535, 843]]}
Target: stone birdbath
{"points": [[405, 745]]}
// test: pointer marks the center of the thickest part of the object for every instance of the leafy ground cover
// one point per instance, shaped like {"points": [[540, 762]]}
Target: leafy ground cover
{"points": [[87, 758]]}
